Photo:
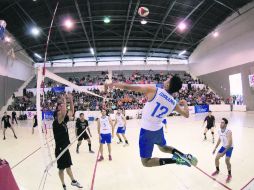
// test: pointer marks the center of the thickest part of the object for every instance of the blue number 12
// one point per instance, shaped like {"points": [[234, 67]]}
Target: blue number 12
{"points": [[162, 108]]}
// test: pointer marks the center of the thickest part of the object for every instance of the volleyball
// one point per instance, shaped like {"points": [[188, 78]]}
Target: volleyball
{"points": [[143, 11]]}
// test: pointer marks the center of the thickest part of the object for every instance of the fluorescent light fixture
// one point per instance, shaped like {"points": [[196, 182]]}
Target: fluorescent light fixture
{"points": [[35, 31], [215, 34], [37, 55], [92, 51], [106, 20], [68, 23], [143, 21], [182, 26], [182, 52], [124, 50]]}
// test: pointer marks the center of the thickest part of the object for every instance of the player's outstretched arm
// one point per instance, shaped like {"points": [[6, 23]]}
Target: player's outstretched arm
{"points": [[142, 89], [183, 111]]}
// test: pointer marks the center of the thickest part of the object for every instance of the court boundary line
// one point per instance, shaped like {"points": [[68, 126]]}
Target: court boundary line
{"points": [[222, 184], [247, 184], [94, 171]]}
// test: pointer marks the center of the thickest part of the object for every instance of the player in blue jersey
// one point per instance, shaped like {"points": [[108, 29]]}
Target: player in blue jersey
{"points": [[160, 103]]}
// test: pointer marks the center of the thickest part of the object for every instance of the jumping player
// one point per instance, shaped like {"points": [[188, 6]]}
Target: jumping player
{"points": [[210, 124], [225, 136], [106, 132], [81, 126], [160, 103], [120, 122], [6, 119]]}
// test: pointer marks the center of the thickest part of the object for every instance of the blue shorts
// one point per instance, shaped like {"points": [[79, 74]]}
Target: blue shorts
{"points": [[106, 138], [148, 139], [228, 153], [121, 130]]}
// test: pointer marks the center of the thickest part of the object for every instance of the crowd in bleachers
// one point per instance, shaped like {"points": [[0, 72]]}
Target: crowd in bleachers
{"points": [[118, 98], [151, 77]]}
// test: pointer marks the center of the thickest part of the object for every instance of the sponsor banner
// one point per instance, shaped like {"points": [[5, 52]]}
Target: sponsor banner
{"points": [[201, 108], [58, 89], [48, 115]]}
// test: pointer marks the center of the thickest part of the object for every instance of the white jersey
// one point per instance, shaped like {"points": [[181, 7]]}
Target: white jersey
{"points": [[119, 120], [156, 110], [223, 137], [105, 127]]}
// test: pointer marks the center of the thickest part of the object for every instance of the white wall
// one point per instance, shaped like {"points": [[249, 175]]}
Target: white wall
{"points": [[16, 69], [182, 67], [20, 68], [234, 45]]}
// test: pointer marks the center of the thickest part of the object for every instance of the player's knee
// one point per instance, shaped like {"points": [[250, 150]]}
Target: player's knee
{"points": [[227, 160], [217, 157]]}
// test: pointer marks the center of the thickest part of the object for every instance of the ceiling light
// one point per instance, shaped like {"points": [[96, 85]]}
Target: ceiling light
{"points": [[68, 23], [143, 21], [182, 26], [37, 55], [124, 50], [182, 52], [35, 31], [215, 34], [92, 51], [106, 20]]}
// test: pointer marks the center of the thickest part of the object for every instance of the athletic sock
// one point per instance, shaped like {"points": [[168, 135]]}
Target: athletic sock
{"points": [[120, 140], [229, 172], [126, 141], [177, 151], [90, 146], [74, 181], [218, 169], [164, 161]]}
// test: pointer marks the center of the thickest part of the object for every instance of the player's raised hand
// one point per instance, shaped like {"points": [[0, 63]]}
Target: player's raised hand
{"points": [[69, 95]]}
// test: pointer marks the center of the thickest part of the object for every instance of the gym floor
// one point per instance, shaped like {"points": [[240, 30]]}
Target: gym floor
{"points": [[126, 172]]}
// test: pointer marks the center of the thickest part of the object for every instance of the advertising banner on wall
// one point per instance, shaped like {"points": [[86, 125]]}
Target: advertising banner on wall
{"points": [[201, 108], [48, 115]]}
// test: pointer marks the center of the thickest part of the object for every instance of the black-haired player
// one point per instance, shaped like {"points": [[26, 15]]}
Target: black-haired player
{"points": [[210, 124], [6, 119], [81, 126], [61, 135], [160, 103]]}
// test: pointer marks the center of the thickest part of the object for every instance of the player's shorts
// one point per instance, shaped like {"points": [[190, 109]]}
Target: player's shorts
{"points": [[6, 126], [83, 136], [209, 127], [106, 138], [65, 159], [121, 130], [147, 140], [228, 153]]}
